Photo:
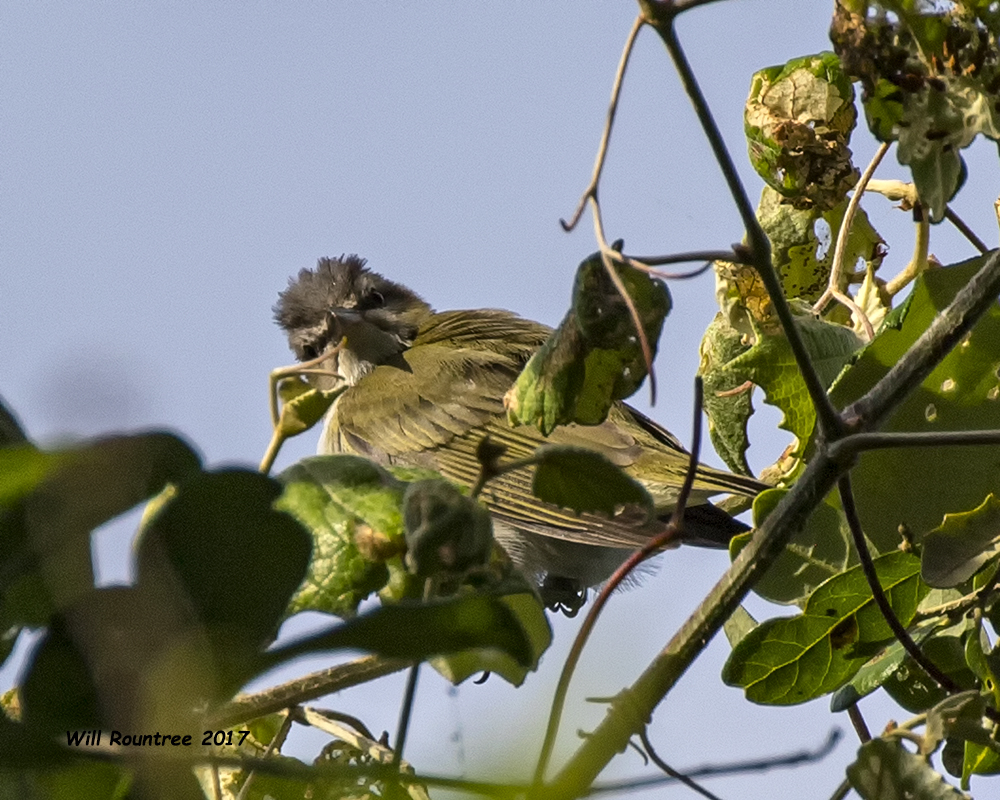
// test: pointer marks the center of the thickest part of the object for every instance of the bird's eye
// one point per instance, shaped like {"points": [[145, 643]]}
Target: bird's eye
{"points": [[376, 298], [308, 352]]}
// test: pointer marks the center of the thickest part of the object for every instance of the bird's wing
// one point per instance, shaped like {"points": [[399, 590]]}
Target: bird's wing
{"points": [[435, 412]]}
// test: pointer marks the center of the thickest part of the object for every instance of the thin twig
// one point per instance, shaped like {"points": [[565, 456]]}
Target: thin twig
{"points": [[669, 533], [678, 776], [404, 713], [678, 276], [965, 230], [309, 687], [602, 150], [693, 255], [878, 594], [858, 721], [273, 447], [734, 768], [309, 367], [859, 442], [833, 290], [275, 744]]}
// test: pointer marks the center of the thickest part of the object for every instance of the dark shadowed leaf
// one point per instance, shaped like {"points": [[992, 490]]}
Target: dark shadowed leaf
{"points": [[417, 632], [955, 550], [221, 548]]}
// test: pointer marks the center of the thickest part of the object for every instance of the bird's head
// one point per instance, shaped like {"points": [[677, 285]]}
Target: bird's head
{"points": [[343, 299]]}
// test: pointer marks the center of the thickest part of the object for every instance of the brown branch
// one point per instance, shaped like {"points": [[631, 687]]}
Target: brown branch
{"points": [[734, 768], [245, 707], [678, 776], [833, 291], [859, 442], [965, 230]]}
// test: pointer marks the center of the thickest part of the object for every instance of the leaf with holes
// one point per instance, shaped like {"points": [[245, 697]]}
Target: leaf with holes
{"points": [[794, 659]]}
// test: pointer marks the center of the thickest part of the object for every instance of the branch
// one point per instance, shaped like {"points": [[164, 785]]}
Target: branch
{"points": [[694, 255], [734, 768], [859, 442], [878, 593], [678, 776], [965, 230], [309, 687], [921, 246], [833, 291], [661, 16]]}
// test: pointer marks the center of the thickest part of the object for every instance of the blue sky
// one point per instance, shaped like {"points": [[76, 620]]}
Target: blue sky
{"points": [[165, 167]]}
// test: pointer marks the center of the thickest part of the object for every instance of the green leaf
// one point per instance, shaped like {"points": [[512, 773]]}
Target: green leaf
{"points": [[351, 507], [221, 548], [819, 551], [22, 749], [955, 550], [959, 716], [594, 357], [913, 689], [881, 668], [916, 487], [798, 122], [727, 415], [739, 624], [802, 253], [22, 468], [530, 614], [772, 366], [51, 501], [303, 405], [11, 432], [885, 770], [794, 659], [585, 481], [418, 632]]}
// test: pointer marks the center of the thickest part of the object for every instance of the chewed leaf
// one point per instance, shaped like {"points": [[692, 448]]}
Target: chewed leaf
{"points": [[594, 357], [794, 659], [798, 122]]}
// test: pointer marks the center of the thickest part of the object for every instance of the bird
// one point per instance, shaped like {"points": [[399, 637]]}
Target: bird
{"points": [[423, 389]]}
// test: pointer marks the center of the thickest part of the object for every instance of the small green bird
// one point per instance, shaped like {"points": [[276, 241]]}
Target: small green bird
{"points": [[426, 387]]}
